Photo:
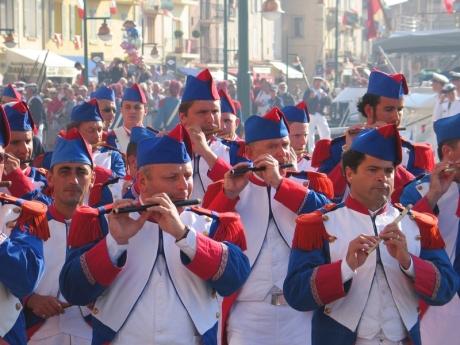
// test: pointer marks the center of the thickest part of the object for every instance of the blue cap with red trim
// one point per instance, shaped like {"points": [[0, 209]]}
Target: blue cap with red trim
{"points": [[387, 85], [174, 148], [382, 143], [226, 103], [447, 128], [70, 147], [272, 125], [140, 133], [104, 92], [19, 116], [297, 113], [10, 91], [4, 128], [201, 87], [86, 111], [134, 94]]}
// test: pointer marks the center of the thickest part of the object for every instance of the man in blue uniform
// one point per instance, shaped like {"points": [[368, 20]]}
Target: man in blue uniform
{"points": [[359, 266], [157, 265]]}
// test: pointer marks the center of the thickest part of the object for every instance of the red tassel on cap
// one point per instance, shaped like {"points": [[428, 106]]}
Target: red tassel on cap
{"points": [[180, 134]]}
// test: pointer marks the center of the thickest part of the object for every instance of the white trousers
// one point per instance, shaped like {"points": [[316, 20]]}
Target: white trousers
{"points": [[257, 323], [318, 123]]}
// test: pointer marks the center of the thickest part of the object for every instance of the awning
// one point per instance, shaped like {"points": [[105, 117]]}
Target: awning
{"points": [[23, 61], [291, 71], [440, 41]]}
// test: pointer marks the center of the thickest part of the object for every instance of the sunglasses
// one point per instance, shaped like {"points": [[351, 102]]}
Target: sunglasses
{"points": [[109, 110]]}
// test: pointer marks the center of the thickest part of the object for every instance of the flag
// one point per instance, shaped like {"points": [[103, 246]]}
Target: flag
{"points": [[113, 7], [374, 18], [81, 9], [449, 5]]}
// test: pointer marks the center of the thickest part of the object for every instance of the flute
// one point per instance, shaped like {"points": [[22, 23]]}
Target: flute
{"points": [[5, 184], [244, 170], [354, 131], [212, 131], [404, 213], [140, 208]]}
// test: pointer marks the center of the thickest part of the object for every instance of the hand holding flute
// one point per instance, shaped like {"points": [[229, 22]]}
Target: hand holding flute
{"points": [[160, 209]]}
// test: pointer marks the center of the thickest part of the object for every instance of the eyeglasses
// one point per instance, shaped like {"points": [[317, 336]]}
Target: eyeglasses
{"points": [[109, 110]]}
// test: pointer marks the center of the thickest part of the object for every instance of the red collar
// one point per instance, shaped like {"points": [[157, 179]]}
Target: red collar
{"points": [[55, 213], [355, 205]]}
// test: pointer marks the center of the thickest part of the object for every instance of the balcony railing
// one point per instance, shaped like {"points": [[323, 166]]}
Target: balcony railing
{"points": [[427, 21]]}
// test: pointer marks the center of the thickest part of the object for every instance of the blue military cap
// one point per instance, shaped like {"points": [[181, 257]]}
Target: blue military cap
{"points": [[70, 147], [174, 148], [297, 113], [19, 116], [134, 94], [272, 125], [10, 91], [226, 103], [104, 92], [140, 133], [387, 85], [382, 142], [201, 87], [447, 128], [86, 111]]}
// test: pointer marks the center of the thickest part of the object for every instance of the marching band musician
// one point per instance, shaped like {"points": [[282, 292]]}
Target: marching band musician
{"points": [[360, 269], [21, 254], [438, 193], [268, 203], [87, 118], [381, 104], [142, 270], [50, 319]]}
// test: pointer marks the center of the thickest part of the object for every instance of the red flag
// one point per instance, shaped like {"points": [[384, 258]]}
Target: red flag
{"points": [[449, 5], [113, 7], [81, 9], [374, 10]]}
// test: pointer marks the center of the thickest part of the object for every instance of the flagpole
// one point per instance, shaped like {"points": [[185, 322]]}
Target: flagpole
{"points": [[336, 58], [85, 46]]}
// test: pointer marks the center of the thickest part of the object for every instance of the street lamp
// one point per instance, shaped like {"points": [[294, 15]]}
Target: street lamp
{"points": [[103, 33]]}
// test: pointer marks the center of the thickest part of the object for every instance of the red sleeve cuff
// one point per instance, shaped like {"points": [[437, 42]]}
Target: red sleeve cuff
{"points": [[97, 265], [427, 277], [423, 206], [326, 283], [20, 183], [208, 257], [218, 170], [291, 194]]}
